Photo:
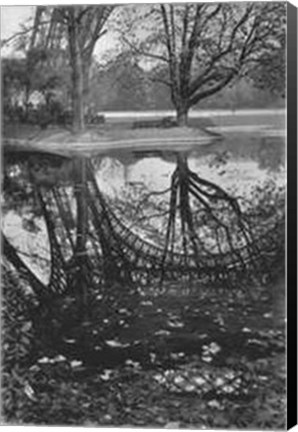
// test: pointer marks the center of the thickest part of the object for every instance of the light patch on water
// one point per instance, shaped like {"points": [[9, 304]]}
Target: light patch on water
{"points": [[111, 176], [34, 245], [153, 172], [238, 177]]}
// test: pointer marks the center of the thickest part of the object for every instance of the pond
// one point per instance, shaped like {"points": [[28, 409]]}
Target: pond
{"points": [[238, 164]]}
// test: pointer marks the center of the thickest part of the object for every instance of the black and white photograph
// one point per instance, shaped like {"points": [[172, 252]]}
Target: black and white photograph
{"points": [[143, 204]]}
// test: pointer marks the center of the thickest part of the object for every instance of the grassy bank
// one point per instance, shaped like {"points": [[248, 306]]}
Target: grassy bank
{"points": [[274, 118]]}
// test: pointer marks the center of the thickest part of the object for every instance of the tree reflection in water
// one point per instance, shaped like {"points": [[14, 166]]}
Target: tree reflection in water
{"points": [[201, 230]]}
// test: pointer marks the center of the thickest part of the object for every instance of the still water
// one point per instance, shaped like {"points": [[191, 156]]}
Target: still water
{"points": [[237, 164]]}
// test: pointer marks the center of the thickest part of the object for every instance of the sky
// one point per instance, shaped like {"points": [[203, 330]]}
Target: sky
{"points": [[12, 17]]}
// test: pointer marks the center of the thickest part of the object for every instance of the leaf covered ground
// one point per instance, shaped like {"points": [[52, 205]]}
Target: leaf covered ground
{"points": [[177, 359]]}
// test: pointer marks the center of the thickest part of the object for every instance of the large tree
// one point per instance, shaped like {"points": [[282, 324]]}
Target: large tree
{"points": [[198, 49], [71, 30], [79, 28]]}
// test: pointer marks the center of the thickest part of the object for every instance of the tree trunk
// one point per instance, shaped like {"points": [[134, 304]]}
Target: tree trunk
{"points": [[78, 106], [81, 207], [26, 104], [77, 74], [86, 76], [78, 126], [82, 275], [182, 114]]}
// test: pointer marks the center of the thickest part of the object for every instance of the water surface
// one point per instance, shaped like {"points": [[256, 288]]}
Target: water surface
{"points": [[238, 164]]}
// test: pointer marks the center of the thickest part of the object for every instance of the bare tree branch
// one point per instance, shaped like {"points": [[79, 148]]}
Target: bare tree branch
{"points": [[206, 46], [22, 33], [139, 51]]}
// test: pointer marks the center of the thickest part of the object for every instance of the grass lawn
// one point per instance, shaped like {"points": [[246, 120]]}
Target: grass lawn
{"points": [[274, 119]]}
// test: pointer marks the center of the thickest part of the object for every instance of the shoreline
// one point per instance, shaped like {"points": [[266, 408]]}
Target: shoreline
{"points": [[90, 142], [209, 113]]}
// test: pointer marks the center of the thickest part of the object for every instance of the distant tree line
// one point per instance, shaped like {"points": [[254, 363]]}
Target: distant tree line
{"points": [[122, 85]]}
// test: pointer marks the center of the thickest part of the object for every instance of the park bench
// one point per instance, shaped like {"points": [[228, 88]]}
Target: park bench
{"points": [[165, 122]]}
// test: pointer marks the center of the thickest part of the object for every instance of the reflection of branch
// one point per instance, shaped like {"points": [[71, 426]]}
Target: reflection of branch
{"points": [[202, 210], [10, 252], [222, 193], [146, 197], [208, 208], [171, 222], [33, 255], [155, 215], [154, 193]]}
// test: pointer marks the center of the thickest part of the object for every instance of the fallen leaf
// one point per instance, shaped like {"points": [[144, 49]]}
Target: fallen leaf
{"points": [[29, 392], [172, 425]]}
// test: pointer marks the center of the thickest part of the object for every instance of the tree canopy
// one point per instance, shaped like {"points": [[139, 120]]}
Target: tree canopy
{"points": [[270, 73], [198, 49]]}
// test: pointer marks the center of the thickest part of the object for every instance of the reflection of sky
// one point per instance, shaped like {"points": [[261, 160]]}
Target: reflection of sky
{"points": [[153, 172], [29, 243], [238, 176]]}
